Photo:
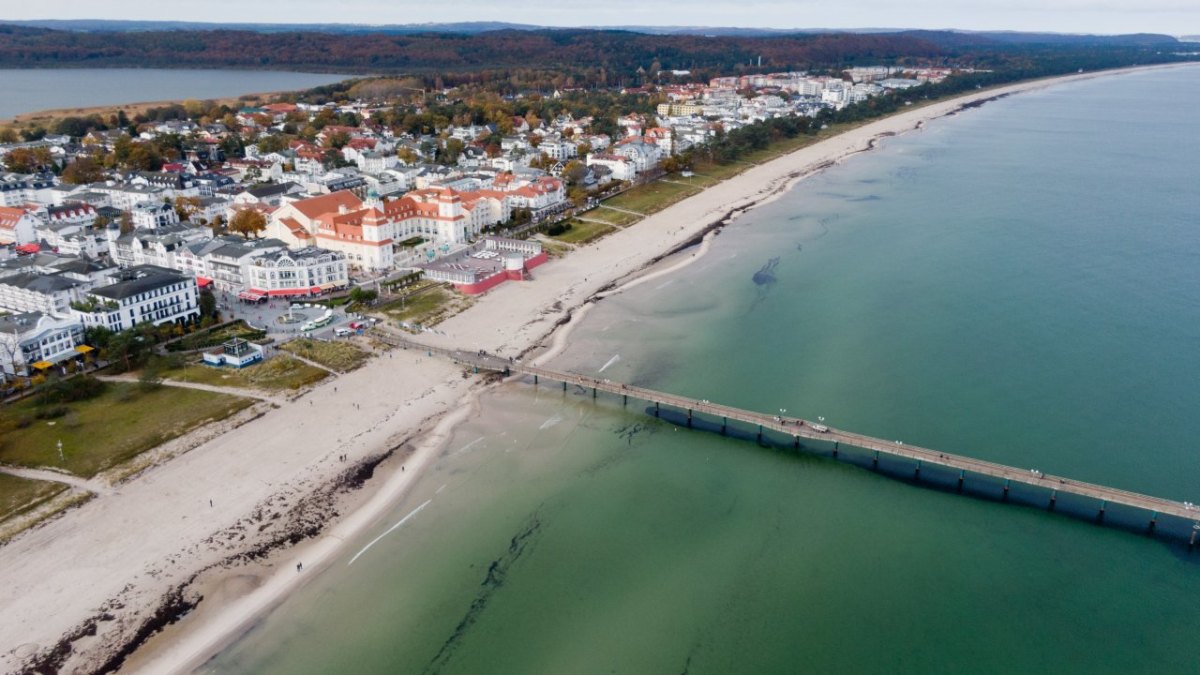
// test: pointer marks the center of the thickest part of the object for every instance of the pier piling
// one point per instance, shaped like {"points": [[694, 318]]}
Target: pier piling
{"points": [[689, 423], [724, 425], [656, 408], [796, 442], [535, 380], [1053, 498], [1192, 541], [962, 475], [760, 433], [875, 460], [917, 473], [1103, 506], [835, 449], [1006, 489], [624, 399], [1153, 521], [593, 392]]}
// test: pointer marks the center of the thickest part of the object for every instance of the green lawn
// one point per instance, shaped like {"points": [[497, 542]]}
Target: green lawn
{"points": [[651, 197], [694, 180], [104, 431], [18, 495], [582, 232], [340, 356], [277, 373], [426, 308], [618, 218]]}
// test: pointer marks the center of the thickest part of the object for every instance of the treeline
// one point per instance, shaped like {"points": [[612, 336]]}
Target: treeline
{"points": [[600, 58]]}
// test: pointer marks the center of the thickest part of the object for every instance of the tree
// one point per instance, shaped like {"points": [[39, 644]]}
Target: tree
{"points": [[126, 222], [83, 170], [9, 135], [360, 295], [248, 222], [208, 303], [23, 160], [186, 207], [574, 172]]}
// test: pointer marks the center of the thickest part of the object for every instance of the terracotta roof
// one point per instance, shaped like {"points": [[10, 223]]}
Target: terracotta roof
{"points": [[330, 203]]}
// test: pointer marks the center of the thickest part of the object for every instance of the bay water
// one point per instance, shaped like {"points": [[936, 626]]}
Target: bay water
{"points": [[1018, 283], [29, 90]]}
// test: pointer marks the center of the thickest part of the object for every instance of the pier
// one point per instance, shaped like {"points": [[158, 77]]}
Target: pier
{"points": [[797, 429]]}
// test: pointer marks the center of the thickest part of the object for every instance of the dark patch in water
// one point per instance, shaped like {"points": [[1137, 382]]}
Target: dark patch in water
{"points": [[497, 572], [799, 247], [866, 198], [766, 274]]}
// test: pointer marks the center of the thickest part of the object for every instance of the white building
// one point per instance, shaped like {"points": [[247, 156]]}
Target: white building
{"points": [[145, 293], [35, 292], [17, 225], [33, 337], [308, 271]]}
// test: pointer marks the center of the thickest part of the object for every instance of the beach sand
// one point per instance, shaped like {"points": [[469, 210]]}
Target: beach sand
{"points": [[119, 567]]}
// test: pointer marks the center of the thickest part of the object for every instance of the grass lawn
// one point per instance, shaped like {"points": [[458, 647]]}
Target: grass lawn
{"points": [[18, 495], [618, 218], [651, 197], [104, 431], [694, 180], [340, 356], [582, 233], [277, 373], [426, 308]]}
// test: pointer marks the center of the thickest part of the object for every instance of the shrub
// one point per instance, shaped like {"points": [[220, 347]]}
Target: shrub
{"points": [[70, 390]]}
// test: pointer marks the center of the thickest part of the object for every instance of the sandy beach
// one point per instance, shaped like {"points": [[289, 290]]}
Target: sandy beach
{"points": [[87, 589]]}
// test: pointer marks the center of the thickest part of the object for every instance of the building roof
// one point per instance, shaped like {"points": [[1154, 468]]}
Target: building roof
{"points": [[140, 279]]}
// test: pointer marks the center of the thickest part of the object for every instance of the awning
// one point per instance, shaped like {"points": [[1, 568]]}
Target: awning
{"points": [[284, 292], [83, 349], [29, 248], [254, 296], [43, 365], [203, 282], [327, 287]]}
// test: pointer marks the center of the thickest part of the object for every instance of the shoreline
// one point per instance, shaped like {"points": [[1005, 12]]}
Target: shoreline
{"points": [[513, 319]]}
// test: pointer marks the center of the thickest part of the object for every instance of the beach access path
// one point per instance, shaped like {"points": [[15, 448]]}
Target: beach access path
{"points": [[156, 532]]}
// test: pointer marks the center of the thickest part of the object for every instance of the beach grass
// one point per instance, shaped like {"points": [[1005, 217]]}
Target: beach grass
{"points": [[652, 197], [426, 308], [20, 495], [338, 356], [112, 428], [617, 218], [278, 373], [582, 232]]}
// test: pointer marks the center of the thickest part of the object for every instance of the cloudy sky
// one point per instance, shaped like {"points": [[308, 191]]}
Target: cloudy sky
{"points": [[1176, 17]]}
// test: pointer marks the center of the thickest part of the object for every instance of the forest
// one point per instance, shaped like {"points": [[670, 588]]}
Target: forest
{"points": [[619, 53]]}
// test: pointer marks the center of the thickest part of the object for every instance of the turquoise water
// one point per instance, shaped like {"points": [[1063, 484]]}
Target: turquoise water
{"points": [[32, 90], [1016, 283]]}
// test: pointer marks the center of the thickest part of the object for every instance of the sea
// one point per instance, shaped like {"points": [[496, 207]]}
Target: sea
{"points": [[34, 90], [1018, 282]]}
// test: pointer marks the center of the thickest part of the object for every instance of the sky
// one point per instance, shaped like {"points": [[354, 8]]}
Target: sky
{"points": [[1173, 17]]}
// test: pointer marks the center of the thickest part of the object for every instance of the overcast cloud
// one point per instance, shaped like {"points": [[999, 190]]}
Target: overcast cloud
{"points": [[1175, 17]]}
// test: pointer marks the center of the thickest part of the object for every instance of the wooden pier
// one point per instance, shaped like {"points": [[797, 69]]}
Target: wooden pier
{"points": [[798, 429]]}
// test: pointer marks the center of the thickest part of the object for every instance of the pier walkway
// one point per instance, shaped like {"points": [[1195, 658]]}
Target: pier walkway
{"points": [[803, 429]]}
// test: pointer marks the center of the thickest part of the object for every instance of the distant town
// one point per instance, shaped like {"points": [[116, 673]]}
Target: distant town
{"points": [[136, 222]]}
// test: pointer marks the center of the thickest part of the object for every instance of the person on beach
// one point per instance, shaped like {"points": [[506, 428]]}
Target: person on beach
{"points": [[299, 566]]}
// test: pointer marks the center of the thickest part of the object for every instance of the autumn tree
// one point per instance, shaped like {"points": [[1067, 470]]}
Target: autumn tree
{"points": [[248, 223], [186, 207], [83, 170], [27, 160]]}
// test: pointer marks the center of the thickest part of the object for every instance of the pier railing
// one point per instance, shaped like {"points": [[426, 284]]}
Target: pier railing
{"points": [[798, 429]]}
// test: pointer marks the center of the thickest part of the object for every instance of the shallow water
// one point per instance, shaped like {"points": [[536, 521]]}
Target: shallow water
{"points": [[1016, 283]]}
